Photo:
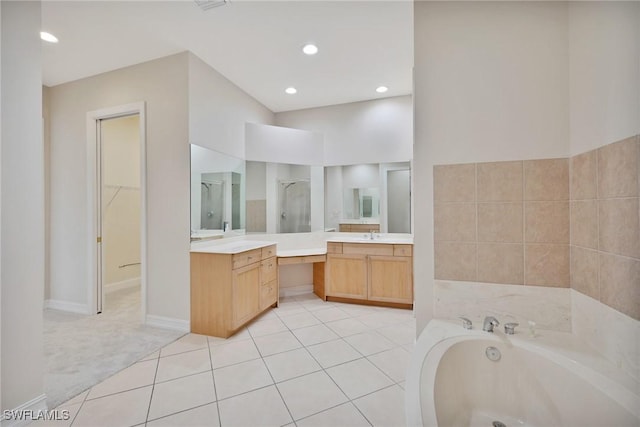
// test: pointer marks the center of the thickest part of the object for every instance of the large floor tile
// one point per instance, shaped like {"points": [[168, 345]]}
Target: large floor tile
{"points": [[310, 394], [277, 343], [358, 378], [346, 327], [180, 365], [291, 364], [66, 410], [137, 375], [369, 342], [404, 333], [315, 334], [188, 342], [233, 352], [334, 352], [384, 408], [300, 320], [343, 415], [316, 304], [331, 314], [393, 362], [286, 309], [266, 327], [151, 356], [181, 394], [205, 415], [380, 319], [263, 407], [123, 409], [241, 378], [242, 334]]}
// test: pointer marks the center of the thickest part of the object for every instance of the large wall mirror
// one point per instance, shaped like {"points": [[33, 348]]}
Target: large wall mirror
{"points": [[284, 198], [217, 191], [369, 197]]}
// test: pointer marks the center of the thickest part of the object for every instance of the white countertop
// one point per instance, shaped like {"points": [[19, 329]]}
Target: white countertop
{"points": [[296, 244]]}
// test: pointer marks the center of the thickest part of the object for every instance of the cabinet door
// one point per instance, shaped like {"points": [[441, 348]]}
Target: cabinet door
{"points": [[347, 276], [245, 293], [390, 279]]}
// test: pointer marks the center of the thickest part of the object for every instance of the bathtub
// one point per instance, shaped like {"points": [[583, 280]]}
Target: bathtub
{"points": [[548, 380]]}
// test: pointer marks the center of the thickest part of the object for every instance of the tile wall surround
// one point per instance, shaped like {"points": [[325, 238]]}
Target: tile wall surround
{"points": [[605, 225], [503, 222], [256, 216], [549, 307]]}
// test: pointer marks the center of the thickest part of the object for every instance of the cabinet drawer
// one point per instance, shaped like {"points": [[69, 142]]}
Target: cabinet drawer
{"points": [[334, 248], [269, 270], [345, 228], [402, 250], [246, 258], [269, 251], [367, 248], [365, 228], [268, 294]]}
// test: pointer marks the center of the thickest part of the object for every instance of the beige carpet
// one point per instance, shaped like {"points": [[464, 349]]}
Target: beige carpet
{"points": [[81, 351]]}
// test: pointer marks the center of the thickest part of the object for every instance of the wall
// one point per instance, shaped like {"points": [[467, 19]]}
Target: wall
{"points": [[121, 199], [361, 132], [22, 222], [256, 197], [162, 84], [604, 64], [219, 110], [490, 84], [283, 145], [604, 40]]}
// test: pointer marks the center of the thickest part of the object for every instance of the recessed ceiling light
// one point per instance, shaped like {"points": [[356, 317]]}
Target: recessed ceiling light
{"points": [[382, 89], [48, 37], [310, 49], [291, 90]]}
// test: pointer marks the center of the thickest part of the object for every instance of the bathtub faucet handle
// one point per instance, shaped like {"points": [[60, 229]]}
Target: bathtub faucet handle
{"points": [[510, 328], [489, 323], [466, 323]]}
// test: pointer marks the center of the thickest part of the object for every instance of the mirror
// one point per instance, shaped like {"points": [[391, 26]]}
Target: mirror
{"points": [[284, 198], [217, 192], [369, 197]]}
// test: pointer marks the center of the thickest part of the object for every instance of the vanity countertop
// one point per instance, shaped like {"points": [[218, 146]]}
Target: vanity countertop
{"points": [[230, 247], [296, 244]]}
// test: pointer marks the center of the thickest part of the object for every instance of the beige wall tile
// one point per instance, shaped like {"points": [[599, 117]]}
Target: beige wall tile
{"points": [[455, 222], [454, 183], [256, 215], [546, 179], [618, 169], [620, 284], [500, 181], [455, 261], [500, 222], [584, 178], [546, 222], [546, 265], [501, 263], [584, 271], [619, 226], [584, 224]]}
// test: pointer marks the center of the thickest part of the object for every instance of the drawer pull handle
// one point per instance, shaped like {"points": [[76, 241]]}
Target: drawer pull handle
{"points": [[250, 257], [270, 265]]}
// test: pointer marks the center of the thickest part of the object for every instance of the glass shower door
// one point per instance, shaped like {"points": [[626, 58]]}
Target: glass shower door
{"points": [[212, 205], [295, 206]]}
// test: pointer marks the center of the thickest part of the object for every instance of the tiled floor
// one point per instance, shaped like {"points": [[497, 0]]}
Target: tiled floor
{"points": [[306, 363]]}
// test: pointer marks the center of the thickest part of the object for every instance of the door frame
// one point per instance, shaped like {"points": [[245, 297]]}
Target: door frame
{"points": [[94, 204]]}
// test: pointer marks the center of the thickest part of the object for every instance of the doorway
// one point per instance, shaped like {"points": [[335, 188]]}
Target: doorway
{"points": [[117, 211]]}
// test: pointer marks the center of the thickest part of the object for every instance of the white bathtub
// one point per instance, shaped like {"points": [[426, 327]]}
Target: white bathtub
{"points": [[548, 380]]}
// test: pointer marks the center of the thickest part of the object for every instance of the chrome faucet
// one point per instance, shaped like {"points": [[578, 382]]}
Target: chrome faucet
{"points": [[371, 235], [489, 323]]}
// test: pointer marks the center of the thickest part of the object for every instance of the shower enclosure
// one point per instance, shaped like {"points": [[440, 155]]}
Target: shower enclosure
{"points": [[295, 206], [212, 205]]}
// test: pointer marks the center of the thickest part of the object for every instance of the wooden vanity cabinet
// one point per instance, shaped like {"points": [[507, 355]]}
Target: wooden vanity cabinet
{"points": [[359, 228], [229, 290], [370, 272]]}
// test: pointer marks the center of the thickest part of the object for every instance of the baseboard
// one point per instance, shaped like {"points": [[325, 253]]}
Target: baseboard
{"points": [[124, 284], [70, 307], [26, 413], [292, 291], [168, 323]]}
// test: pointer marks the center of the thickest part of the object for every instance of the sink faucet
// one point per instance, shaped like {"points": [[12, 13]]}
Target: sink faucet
{"points": [[371, 234], [489, 323]]}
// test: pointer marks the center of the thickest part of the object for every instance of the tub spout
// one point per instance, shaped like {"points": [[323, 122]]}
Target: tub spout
{"points": [[489, 323]]}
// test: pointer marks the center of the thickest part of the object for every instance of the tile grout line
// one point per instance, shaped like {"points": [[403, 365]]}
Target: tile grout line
{"points": [[153, 386], [213, 378]]}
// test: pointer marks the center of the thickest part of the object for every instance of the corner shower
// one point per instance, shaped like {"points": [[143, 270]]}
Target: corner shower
{"points": [[212, 203], [295, 206]]}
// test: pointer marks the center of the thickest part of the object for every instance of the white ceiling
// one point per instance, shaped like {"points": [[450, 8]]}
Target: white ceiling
{"points": [[255, 44]]}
